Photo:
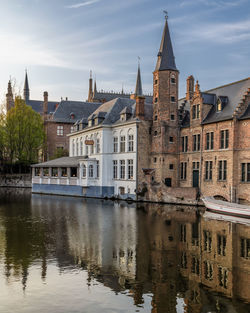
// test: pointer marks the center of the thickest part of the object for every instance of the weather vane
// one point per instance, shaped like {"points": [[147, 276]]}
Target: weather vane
{"points": [[166, 14]]}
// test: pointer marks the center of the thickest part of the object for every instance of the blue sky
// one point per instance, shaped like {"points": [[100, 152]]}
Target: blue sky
{"points": [[59, 41]]}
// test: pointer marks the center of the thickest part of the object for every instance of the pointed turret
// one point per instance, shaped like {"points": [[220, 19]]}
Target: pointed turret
{"points": [[166, 59], [90, 95], [9, 97], [26, 91], [138, 87], [95, 89]]}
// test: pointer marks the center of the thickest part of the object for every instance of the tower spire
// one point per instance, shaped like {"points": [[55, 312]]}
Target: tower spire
{"points": [[26, 91], [138, 87], [9, 97], [166, 59], [90, 94]]}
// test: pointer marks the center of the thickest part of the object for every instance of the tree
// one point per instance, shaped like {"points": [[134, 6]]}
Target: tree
{"points": [[24, 133]]}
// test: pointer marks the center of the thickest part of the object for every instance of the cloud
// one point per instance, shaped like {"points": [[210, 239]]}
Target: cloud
{"points": [[81, 4], [221, 33], [220, 4]]}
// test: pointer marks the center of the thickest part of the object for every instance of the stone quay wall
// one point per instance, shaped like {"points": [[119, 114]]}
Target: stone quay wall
{"points": [[15, 180]]}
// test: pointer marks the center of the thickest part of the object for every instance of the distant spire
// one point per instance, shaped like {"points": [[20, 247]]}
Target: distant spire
{"points": [[26, 91], [90, 94], [122, 89], [9, 97], [95, 89], [166, 59], [138, 87]]}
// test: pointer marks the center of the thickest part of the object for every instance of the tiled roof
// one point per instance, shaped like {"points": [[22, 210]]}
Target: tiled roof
{"points": [[246, 114], [61, 162], [71, 111], [37, 105]]}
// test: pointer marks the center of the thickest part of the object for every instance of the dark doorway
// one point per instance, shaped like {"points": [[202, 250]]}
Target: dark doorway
{"points": [[168, 182], [195, 178]]}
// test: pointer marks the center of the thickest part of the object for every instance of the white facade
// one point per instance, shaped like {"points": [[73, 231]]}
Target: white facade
{"points": [[111, 160]]}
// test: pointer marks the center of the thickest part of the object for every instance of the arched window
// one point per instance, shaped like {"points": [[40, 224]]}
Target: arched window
{"points": [[77, 148], [91, 170], [98, 149], [84, 171], [81, 147]]}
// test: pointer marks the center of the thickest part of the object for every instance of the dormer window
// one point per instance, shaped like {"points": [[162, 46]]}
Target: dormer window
{"points": [[219, 105], [90, 123]]}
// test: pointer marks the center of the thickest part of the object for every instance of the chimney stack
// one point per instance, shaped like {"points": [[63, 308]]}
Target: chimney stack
{"points": [[45, 103], [140, 107], [190, 87]]}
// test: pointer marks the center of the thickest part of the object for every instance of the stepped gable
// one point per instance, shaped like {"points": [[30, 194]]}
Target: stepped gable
{"points": [[72, 111]]}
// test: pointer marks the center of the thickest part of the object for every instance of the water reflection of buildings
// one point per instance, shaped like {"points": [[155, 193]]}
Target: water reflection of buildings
{"points": [[163, 251]]}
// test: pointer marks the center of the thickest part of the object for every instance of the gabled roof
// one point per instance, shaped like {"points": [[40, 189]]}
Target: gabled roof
{"points": [[71, 111], [37, 105], [234, 93], [166, 59], [246, 114]]}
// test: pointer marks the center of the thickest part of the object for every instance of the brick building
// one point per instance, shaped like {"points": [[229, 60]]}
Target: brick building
{"points": [[201, 141]]}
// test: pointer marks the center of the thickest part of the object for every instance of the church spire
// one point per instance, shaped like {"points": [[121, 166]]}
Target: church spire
{"points": [[166, 59], [138, 87], [26, 91], [9, 97]]}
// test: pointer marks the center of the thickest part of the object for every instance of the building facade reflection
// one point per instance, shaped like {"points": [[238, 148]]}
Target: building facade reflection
{"points": [[169, 253]]}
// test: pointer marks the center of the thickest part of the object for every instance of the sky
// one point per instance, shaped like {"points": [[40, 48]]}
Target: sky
{"points": [[60, 41]]}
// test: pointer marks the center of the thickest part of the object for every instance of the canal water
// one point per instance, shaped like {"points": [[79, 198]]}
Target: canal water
{"points": [[72, 255]]}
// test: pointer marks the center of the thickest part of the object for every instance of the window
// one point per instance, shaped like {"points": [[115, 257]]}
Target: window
{"points": [[171, 139], [156, 81], [195, 265], [97, 169], [121, 190], [54, 172], [155, 133], [97, 145], [219, 105], [130, 143], [196, 165], [77, 147], [37, 171], [222, 170], [208, 170], [156, 99], [245, 248], [115, 144], [222, 276], [196, 111], [115, 170], [183, 170], [221, 245], [73, 148], [184, 260], [72, 129], [224, 139], [60, 130], [155, 160], [122, 143], [87, 149], [156, 118], [171, 166], [172, 80], [245, 172], [81, 147], [184, 143], [91, 149], [195, 234], [207, 240], [172, 98], [84, 172], [196, 142], [73, 172], [64, 172], [209, 141], [130, 169], [208, 270], [122, 169], [183, 233], [172, 117], [91, 171], [45, 171]]}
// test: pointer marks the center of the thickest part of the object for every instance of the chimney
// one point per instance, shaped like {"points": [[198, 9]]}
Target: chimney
{"points": [[140, 107], [45, 103], [190, 87]]}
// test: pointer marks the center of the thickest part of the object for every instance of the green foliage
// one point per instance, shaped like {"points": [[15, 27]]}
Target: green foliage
{"points": [[60, 153], [24, 133]]}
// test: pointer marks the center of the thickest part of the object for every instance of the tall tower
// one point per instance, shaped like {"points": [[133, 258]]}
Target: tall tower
{"points": [[138, 86], [165, 112], [9, 97], [26, 91], [90, 95]]}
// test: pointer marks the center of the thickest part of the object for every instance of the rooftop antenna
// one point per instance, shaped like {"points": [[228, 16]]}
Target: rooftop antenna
{"points": [[166, 14]]}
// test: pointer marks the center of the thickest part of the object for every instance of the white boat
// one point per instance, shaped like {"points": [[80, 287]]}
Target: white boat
{"points": [[227, 208]]}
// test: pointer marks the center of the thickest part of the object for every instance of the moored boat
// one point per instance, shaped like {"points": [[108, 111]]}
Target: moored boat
{"points": [[227, 208]]}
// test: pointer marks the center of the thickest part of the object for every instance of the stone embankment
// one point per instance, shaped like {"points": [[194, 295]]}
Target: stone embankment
{"points": [[15, 180]]}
